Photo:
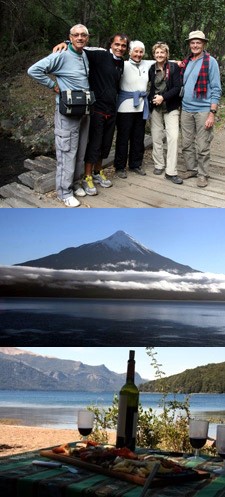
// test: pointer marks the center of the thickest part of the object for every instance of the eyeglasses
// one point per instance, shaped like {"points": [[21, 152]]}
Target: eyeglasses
{"points": [[76, 35]]}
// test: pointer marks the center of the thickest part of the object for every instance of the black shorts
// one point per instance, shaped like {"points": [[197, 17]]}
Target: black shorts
{"points": [[101, 131]]}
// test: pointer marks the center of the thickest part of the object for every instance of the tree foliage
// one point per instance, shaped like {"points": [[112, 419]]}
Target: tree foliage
{"points": [[29, 23], [203, 379]]}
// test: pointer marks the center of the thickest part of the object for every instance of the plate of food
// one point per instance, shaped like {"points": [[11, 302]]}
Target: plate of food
{"points": [[123, 463]]}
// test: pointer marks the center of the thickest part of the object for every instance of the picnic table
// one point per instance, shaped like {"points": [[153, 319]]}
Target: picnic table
{"points": [[19, 477]]}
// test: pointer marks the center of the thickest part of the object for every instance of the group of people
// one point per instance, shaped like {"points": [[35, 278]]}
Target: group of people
{"points": [[122, 100]]}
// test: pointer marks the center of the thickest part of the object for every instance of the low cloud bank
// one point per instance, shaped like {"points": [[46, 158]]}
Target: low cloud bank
{"points": [[114, 280]]}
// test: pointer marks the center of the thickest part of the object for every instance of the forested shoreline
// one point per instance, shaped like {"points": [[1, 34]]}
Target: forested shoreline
{"points": [[203, 379]]}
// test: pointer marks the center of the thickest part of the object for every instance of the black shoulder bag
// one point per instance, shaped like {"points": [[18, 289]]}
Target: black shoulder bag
{"points": [[76, 103]]}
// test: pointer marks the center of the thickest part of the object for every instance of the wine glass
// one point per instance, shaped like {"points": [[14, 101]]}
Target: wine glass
{"points": [[85, 421], [198, 434], [220, 446]]}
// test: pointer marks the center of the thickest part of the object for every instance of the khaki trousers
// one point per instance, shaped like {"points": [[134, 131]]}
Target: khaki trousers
{"points": [[196, 140], [170, 120]]}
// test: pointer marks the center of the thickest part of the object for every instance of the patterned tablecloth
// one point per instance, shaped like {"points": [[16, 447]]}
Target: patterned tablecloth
{"points": [[20, 478]]}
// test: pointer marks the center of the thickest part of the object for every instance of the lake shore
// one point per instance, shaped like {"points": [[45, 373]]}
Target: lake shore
{"points": [[16, 439]]}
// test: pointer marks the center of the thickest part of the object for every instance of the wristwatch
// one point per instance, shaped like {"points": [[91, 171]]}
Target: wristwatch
{"points": [[213, 111]]}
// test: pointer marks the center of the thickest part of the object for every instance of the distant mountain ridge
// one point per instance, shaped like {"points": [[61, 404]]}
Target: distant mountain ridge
{"points": [[118, 252], [22, 370]]}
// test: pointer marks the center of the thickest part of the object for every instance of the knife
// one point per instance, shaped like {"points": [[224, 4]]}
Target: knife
{"points": [[149, 479], [54, 464]]}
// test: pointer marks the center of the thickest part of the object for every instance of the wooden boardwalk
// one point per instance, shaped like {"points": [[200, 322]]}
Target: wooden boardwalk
{"points": [[35, 189]]}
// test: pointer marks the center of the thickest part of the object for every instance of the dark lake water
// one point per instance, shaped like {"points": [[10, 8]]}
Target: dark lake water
{"points": [[87, 322], [12, 156]]}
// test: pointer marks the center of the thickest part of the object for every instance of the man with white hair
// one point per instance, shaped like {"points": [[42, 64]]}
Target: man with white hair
{"points": [[132, 112], [71, 69], [202, 91]]}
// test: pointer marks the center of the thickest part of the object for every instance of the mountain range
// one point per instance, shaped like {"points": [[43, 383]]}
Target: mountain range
{"points": [[23, 370], [118, 252]]}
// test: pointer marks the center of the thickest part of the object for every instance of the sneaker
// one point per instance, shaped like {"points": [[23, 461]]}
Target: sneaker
{"points": [[79, 192], [191, 173], [175, 179], [121, 173], [89, 186], [70, 201], [202, 181], [139, 170], [102, 180], [157, 171]]}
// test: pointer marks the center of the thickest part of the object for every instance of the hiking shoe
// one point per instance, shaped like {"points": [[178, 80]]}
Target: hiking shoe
{"points": [[202, 181], [189, 174], [139, 170], [157, 171], [89, 186], [121, 173], [101, 179], [79, 192], [70, 201], [175, 179]]}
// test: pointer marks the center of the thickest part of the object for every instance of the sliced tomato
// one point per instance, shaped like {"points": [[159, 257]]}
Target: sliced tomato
{"points": [[91, 443], [124, 452]]}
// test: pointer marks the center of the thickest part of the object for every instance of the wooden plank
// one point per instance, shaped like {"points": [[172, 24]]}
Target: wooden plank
{"points": [[4, 204], [19, 203], [45, 183], [41, 183], [41, 163], [28, 179], [23, 193]]}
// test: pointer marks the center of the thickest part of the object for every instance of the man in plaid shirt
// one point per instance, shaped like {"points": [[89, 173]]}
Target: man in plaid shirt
{"points": [[201, 94]]}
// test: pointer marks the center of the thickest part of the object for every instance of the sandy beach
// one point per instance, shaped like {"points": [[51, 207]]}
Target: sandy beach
{"points": [[17, 439]]}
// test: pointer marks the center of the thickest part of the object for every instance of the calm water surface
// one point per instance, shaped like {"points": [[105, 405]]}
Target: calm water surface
{"points": [[106, 322], [59, 409]]}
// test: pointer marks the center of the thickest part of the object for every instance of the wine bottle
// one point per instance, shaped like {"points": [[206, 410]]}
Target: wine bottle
{"points": [[128, 409]]}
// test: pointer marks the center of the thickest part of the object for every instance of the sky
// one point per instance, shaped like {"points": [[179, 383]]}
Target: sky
{"points": [[173, 359], [195, 237]]}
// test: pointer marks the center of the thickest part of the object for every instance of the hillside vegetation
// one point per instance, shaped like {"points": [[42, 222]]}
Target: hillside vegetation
{"points": [[203, 379]]}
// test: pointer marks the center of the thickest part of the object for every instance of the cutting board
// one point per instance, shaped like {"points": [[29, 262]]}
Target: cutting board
{"points": [[165, 479]]}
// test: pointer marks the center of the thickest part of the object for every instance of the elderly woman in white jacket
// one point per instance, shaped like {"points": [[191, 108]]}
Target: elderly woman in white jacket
{"points": [[132, 112]]}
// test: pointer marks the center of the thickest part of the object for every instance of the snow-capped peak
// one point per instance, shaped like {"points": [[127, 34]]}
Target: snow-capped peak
{"points": [[121, 240]]}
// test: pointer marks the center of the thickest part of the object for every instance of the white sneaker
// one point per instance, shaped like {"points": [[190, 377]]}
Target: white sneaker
{"points": [[70, 201], [102, 180], [79, 192]]}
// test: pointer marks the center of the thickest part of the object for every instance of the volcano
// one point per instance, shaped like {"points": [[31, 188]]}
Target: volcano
{"points": [[118, 252]]}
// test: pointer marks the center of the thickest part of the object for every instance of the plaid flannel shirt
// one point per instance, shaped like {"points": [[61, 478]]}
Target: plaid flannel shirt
{"points": [[200, 88]]}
